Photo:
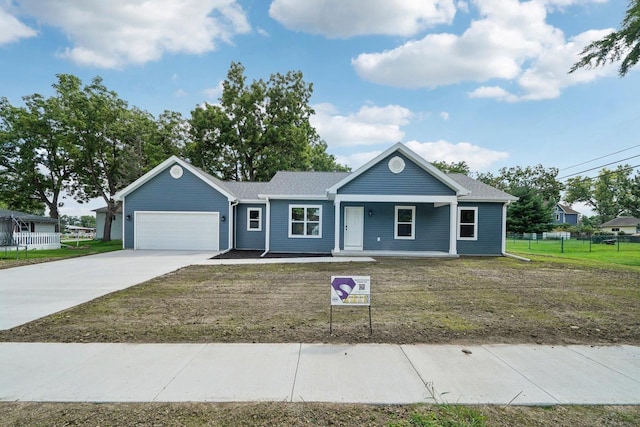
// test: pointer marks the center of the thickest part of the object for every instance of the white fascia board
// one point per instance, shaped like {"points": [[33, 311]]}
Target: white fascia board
{"points": [[252, 201], [292, 197], [161, 167], [480, 200], [340, 198], [425, 165]]}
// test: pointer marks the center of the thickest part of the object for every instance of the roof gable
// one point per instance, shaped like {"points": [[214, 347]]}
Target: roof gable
{"points": [[210, 180], [413, 157], [567, 209]]}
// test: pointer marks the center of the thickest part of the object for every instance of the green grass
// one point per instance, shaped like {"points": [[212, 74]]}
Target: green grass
{"points": [[86, 247], [625, 256]]}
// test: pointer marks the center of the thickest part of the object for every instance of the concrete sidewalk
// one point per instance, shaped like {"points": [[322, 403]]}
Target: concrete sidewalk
{"points": [[367, 373]]}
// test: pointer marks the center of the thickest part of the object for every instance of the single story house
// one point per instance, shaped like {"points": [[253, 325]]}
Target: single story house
{"points": [[116, 224], [396, 204], [563, 214], [28, 230], [622, 224]]}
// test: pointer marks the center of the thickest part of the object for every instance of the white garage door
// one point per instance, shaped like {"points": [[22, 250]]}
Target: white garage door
{"points": [[177, 230]]}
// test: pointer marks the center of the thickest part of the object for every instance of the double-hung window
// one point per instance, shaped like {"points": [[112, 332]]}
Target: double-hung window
{"points": [[467, 223], [305, 221], [254, 219], [405, 222]]}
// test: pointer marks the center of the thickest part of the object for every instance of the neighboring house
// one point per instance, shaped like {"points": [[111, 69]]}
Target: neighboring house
{"points": [[27, 230], [396, 204], [622, 224], [563, 214], [116, 224]]}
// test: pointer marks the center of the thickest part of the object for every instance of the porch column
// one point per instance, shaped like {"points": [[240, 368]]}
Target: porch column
{"points": [[453, 224], [336, 220]]}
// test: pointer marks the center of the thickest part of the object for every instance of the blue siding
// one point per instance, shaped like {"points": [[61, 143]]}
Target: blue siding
{"points": [[245, 239], [413, 180], [489, 231], [164, 193], [431, 227], [279, 232]]}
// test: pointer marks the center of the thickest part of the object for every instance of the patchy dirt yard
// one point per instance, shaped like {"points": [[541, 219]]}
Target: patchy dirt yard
{"points": [[467, 300], [310, 414]]}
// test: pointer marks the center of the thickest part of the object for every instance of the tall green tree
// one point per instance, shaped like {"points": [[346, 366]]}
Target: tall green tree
{"points": [[258, 129], [543, 180], [530, 214], [453, 167], [610, 194], [623, 44], [35, 154]]}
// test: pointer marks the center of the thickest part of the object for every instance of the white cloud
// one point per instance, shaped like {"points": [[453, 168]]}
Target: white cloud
{"points": [[354, 161], [444, 115], [11, 29], [214, 92], [262, 32], [370, 125], [180, 93], [478, 158], [112, 34], [510, 41], [347, 18]]}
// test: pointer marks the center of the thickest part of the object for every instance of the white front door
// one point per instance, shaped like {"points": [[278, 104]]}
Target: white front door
{"points": [[353, 228]]}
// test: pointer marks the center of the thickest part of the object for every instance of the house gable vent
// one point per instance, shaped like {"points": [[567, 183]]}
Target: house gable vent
{"points": [[176, 171], [396, 164]]}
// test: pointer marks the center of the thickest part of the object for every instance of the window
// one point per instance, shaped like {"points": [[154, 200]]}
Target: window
{"points": [[614, 229], [405, 222], [305, 221], [254, 219], [467, 223], [557, 217]]}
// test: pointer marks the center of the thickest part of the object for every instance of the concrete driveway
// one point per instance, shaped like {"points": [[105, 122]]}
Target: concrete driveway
{"points": [[30, 292]]}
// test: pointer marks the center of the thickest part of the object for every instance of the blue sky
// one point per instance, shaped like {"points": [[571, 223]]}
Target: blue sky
{"points": [[483, 81]]}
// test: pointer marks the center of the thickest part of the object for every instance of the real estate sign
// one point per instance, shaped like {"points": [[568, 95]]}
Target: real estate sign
{"points": [[351, 290]]}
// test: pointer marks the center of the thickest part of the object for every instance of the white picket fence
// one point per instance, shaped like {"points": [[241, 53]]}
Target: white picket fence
{"points": [[32, 240]]}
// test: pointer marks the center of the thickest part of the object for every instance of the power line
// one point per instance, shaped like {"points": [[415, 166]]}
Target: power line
{"points": [[598, 158], [606, 173], [598, 167]]}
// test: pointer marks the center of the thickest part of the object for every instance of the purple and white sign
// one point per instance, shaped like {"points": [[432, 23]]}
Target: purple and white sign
{"points": [[351, 290]]}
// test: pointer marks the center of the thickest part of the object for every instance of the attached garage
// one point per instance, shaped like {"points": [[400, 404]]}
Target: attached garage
{"points": [[177, 230]]}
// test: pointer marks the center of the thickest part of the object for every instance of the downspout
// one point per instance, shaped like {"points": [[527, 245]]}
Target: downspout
{"points": [[504, 235], [232, 217], [267, 227]]}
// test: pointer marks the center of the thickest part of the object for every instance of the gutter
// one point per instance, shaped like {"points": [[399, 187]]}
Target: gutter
{"points": [[504, 236], [267, 226]]}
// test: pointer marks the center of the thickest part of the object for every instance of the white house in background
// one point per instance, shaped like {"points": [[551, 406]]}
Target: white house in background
{"points": [[116, 225], [20, 229], [622, 224]]}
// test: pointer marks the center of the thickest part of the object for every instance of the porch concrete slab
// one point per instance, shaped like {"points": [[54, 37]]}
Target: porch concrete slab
{"points": [[478, 377], [569, 376], [301, 260], [363, 373], [30, 292], [123, 373], [235, 373]]}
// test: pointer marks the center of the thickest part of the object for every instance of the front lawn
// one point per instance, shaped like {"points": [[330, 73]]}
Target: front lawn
{"points": [[467, 300], [10, 258]]}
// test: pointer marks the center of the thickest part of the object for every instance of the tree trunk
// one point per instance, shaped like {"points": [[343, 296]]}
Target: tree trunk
{"points": [[108, 220]]}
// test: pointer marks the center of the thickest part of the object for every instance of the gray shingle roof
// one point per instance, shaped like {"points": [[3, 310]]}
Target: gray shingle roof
{"points": [[303, 183], [245, 190], [622, 221], [5, 213], [479, 190], [567, 209]]}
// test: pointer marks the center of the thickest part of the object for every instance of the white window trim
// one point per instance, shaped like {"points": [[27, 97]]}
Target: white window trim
{"points": [[413, 223], [259, 210], [475, 222], [305, 236]]}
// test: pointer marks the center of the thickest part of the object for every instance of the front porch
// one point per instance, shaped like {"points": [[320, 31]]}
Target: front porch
{"points": [[397, 254], [28, 240]]}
